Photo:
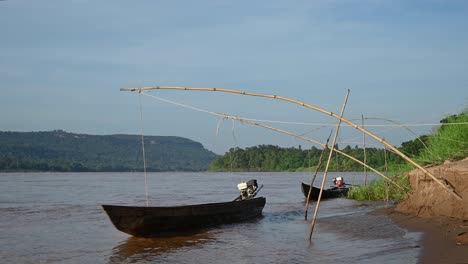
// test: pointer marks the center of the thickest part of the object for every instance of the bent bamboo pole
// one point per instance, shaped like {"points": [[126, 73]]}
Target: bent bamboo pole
{"points": [[315, 142], [342, 119], [364, 148], [337, 131], [248, 121], [401, 125], [305, 139], [315, 175]]}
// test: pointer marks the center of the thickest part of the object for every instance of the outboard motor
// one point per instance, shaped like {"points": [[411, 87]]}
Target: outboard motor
{"points": [[248, 189]]}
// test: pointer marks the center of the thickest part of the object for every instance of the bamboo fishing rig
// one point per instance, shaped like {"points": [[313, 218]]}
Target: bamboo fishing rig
{"points": [[325, 146]]}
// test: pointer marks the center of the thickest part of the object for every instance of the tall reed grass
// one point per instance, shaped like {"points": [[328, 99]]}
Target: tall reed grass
{"points": [[381, 189], [449, 142]]}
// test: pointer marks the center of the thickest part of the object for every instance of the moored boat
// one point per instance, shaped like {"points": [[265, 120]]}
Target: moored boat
{"points": [[143, 221], [334, 192]]}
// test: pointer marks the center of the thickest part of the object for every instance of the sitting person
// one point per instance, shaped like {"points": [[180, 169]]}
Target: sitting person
{"points": [[339, 182]]}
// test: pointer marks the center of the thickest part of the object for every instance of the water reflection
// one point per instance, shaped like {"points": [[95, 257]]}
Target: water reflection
{"points": [[135, 249], [39, 217]]}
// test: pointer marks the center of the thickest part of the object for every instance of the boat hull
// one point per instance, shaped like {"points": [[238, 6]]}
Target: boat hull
{"points": [[166, 221], [335, 192]]}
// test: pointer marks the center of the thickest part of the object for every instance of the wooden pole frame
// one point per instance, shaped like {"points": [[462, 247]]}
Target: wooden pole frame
{"points": [[315, 175], [236, 118], [364, 149], [315, 108], [324, 179], [324, 146]]}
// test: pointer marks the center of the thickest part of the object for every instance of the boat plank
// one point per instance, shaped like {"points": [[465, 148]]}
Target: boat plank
{"points": [[334, 192], [164, 221]]}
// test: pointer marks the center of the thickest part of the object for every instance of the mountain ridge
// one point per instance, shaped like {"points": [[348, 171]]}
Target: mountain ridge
{"points": [[59, 150]]}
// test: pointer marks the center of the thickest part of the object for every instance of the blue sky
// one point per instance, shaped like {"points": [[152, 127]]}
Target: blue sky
{"points": [[62, 64]]}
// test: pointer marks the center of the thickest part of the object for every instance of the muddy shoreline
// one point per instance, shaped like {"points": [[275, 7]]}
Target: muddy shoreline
{"points": [[444, 240], [436, 213]]}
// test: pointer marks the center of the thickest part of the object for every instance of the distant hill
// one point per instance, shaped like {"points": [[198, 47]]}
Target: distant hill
{"points": [[62, 151]]}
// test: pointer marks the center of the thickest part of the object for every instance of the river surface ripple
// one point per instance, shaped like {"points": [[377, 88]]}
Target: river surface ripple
{"points": [[57, 218]]}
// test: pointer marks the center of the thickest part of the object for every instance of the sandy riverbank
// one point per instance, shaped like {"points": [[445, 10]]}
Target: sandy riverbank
{"points": [[441, 218], [444, 240]]}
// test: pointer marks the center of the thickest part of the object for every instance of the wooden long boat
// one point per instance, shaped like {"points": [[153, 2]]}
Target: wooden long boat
{"points": [[167, 221], [334, 192]]}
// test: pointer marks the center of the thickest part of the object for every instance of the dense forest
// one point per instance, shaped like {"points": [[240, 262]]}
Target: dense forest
{"points": [[61, 151], [426, 149], [274, 158]]}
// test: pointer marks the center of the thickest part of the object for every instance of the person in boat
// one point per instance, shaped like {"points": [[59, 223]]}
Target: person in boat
{"points": [[339, 182]]}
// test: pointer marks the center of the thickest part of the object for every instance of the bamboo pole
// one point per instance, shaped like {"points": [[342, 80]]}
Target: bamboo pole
{"points": [[405, 127], [394, 149], [315, 142], [386, 185], [315, 175], [324, 179], [364, 148], [248, 121], [143, 149]]}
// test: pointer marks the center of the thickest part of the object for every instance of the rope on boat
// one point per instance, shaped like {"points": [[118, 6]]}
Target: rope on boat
{"points": [[233, 136], [315, 108], [143, 149], [224, 116], [306, 123], [233, 131]]}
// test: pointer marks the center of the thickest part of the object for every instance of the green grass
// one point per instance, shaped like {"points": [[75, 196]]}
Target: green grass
{"points": [[381, 189], [450, 142]]}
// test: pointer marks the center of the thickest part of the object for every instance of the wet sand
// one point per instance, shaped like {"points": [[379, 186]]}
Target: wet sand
{"points": [[444, 240], [436, 214]]}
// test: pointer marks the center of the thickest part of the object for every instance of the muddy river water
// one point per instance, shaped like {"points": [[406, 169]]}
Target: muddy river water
{"points": [[57, 218]]}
